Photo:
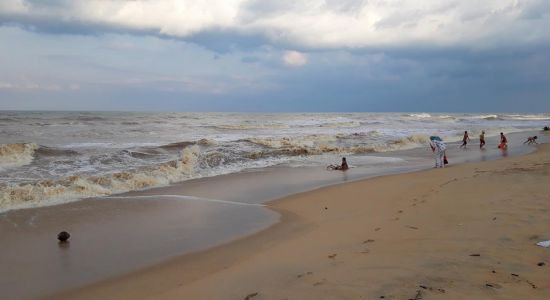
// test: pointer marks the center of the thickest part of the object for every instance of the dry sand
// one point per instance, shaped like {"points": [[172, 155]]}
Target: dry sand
{"points": [[463, 232]]}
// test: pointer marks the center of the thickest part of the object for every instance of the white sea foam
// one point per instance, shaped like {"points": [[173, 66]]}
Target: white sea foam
{"points": [[16, 155], [528, 117], [420, 116], [46, 192]]}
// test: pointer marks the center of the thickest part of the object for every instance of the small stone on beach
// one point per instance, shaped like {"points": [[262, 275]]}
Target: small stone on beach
{"points": [[63, 236]]}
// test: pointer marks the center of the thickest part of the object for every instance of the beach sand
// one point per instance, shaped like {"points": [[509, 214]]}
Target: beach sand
{"points": [[464, 232]]}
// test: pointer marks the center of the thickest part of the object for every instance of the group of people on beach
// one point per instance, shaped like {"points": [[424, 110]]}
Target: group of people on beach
{"points": [[438, 148], [503, 140]]}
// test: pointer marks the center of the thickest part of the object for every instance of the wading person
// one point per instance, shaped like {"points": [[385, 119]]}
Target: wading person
{"points": [[465, 140], [503, 142], [482, 140]]}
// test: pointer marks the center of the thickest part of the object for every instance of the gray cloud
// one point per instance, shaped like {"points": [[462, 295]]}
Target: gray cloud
{"points": [[230, 24], [361, 55]]}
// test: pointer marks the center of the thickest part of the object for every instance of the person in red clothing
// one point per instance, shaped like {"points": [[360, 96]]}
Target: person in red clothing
{"points": [[503, 142]]}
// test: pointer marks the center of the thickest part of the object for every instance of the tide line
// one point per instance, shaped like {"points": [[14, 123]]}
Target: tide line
{"points": [[183, 197]]}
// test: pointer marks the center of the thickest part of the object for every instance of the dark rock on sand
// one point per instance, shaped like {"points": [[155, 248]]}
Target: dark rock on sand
{"points": [[63, 236]]}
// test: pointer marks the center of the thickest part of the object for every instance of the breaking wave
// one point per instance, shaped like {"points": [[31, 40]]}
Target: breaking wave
{"points": [[251, 126], [321, 144], [420, 116], [16, 155], [77, 187], [528, 117], [51, 151]]}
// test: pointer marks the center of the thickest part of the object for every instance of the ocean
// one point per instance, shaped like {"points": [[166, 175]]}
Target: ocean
{"points": [[50, 158]]}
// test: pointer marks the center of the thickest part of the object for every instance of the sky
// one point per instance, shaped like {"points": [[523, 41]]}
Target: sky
{"points": [[275, 55]]}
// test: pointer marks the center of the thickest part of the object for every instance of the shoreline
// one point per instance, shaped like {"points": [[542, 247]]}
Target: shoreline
{"points": [[417, 152], [185, 275]]}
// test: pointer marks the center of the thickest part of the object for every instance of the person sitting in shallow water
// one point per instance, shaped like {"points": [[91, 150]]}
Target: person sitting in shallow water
{"points": [[531, 140], [342, 167]]}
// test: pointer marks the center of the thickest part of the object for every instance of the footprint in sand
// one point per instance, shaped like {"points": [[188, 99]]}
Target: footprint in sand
{"points": [[431, 289], [368, 241], [523, 280], [531, 284], [304, 274], [417, 296], [332, 256], [493, 285], [377, 229], [320, 282], [412, 227], [250, 296]]}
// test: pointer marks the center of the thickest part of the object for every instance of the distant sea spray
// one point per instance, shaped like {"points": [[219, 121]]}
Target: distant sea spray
{"points": [[57, 157]]}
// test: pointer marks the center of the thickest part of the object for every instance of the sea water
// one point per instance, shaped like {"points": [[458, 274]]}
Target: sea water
{"points": [[56, 157]]}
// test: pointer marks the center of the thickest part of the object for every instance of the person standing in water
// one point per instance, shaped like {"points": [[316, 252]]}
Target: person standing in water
{"points": [[482, 139], [465, 140], [503, 142], [438, 148]]}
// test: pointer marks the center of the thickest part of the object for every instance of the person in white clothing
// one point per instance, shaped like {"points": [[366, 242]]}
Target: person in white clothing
{"points": [[438, 148]]}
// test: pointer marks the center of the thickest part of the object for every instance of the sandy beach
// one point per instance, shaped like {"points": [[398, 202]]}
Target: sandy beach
{"points": [[281, 150], [464, 232]]}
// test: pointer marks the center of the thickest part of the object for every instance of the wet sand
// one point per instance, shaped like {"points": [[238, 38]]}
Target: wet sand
{"points": [[110, 237], [117, 235], [463, 232]]}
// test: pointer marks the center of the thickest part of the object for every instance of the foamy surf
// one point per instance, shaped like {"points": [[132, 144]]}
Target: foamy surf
{"points": [[51, 158], [16, 155]]}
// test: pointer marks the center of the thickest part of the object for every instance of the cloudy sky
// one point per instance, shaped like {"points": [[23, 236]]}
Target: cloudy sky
{"points": [[275, 55]]}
